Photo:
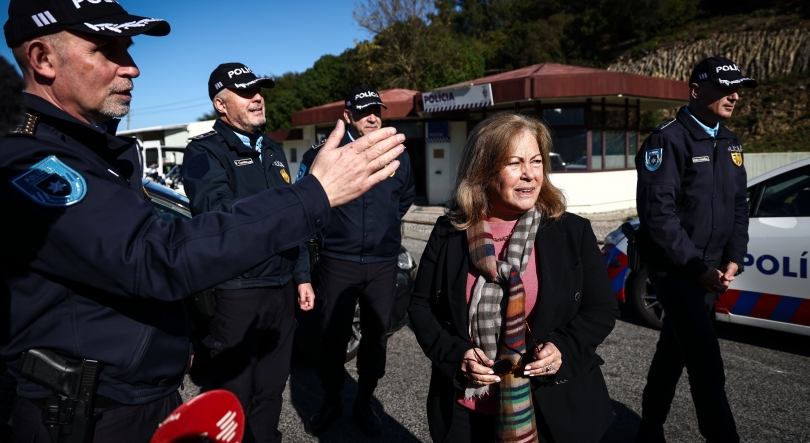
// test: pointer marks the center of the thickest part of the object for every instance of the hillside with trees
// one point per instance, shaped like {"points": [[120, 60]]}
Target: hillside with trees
{"points": [[425, 44]]}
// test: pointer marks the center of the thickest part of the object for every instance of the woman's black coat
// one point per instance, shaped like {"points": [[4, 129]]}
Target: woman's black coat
{"points": [[575, 310]]}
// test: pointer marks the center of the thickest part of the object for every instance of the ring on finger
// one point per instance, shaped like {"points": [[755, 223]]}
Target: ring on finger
{"points": [[549, 368]]}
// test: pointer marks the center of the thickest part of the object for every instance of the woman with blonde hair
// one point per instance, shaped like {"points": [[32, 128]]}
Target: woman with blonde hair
{"points": [[512, 299]]}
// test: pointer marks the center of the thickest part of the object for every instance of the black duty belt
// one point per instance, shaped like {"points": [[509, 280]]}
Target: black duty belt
{"points": [[103, 404]]}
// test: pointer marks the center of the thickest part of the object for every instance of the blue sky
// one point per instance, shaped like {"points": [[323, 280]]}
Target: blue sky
{"points": [[271, 37]]}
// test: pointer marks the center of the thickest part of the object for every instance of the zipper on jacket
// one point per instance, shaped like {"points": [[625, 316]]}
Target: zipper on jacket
{"points": [[714, 177]]}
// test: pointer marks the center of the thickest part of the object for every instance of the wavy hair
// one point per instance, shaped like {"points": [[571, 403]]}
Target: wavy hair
{"points": [[487, 151]]}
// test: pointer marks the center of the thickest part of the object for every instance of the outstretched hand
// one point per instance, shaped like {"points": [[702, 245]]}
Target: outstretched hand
{"points": [[348, 172]]}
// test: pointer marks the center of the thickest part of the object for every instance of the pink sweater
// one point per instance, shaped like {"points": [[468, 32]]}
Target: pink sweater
{"points": [[488, 404]]}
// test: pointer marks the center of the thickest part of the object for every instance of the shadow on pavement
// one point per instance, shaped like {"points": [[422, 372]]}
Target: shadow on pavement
{"points": [[764, 338], [749, 335], [624, 426], [628, 316], [306, 396]]}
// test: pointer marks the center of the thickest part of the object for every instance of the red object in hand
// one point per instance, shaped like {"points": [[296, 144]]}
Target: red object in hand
{"points": [[215, 416]]}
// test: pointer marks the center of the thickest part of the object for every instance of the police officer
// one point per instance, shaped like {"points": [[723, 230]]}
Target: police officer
{"points": [[693, 236], [88, 269], [252, 330], [11, 108], [358, 259]]}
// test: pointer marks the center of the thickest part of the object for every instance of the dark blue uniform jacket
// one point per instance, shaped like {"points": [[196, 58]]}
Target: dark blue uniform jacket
{"points": [[367, 230], [103, 278], [693, 206], [219, 170]]}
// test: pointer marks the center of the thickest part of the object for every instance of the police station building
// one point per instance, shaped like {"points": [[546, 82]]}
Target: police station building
{"points": [[594, 115]]}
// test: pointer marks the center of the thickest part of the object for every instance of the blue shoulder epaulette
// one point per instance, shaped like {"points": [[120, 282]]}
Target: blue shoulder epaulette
{"points": [[26, 128], [319, 144], [664, 124], [203, 136]]}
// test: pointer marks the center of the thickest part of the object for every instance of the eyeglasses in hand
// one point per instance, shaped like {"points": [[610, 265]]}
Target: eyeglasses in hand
{"points": [[504, 366]]}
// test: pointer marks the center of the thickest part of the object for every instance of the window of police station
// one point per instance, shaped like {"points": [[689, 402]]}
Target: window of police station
{"points": [[596, 135]]}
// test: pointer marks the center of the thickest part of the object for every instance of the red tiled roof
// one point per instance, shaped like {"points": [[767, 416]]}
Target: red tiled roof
{"points": [[537, 82], [285, 134], [400, 102], [553, 80]]}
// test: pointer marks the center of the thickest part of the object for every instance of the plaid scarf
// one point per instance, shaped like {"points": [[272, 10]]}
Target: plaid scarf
{"points": [[516, 422]]}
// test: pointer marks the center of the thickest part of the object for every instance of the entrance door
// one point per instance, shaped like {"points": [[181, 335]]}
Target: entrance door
{"points": [[416, 151]]}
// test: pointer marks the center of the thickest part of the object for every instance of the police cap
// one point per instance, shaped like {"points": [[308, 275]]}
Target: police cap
{"points": [[722, 71], [29, 19], [361, 97], [235, 76]]}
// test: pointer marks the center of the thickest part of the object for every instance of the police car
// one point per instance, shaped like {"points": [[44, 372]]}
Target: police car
{"points": [[774, 290], [171, 205]]}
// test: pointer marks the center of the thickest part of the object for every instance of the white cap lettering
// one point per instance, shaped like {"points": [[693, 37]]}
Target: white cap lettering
{"points": [[366, 95], [95, 2], [239, 71], [727, 68]]}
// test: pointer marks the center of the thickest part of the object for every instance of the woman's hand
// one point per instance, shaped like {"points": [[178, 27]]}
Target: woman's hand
{"points": [[476, 368], [548, 361]]}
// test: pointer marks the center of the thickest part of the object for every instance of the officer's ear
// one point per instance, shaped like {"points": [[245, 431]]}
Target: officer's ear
{"points": [[219, 103], [40, 55], [694, 91], [347, 117]]}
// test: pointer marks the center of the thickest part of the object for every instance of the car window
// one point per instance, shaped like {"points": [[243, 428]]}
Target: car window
{"points": [[787, 195], [166, 212]]}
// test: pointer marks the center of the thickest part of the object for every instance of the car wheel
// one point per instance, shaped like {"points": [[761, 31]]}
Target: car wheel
{"points": [[644, 302], [354, 340]]}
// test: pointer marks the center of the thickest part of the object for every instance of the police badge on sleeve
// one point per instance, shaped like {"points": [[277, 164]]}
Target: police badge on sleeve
{"points": [[52, 183], [737, 158], [652, 159]]}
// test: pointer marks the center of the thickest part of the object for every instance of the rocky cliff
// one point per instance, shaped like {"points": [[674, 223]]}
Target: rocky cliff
{"points": [[775, 117], [759, 54]]}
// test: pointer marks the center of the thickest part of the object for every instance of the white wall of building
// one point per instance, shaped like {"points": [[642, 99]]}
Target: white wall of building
{"points": [[301, 147], [441, 172], [589, 192], [758, 164], [176, 137]]}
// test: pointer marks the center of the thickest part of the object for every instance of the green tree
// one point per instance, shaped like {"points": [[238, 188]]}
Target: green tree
{"points": [[281, 101], [412, 47], [210, 115], [328, 80]]}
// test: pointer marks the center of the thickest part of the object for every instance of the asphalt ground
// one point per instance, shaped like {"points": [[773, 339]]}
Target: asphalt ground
{"points": [[767, 384], [768, 380]]}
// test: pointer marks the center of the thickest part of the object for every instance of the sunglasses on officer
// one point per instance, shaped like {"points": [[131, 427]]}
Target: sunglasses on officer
{"points": [[504, 366]]}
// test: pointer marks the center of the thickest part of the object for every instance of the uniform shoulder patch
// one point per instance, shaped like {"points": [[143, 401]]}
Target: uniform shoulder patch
{"points": [[664, 124], [27, 128], [319, 144], [52, 183], [653, 158], [302, 170], [203, 136], [197, 166]]}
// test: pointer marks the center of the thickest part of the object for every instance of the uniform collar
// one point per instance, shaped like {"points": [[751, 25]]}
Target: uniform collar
{"points": [[89, 135], [235, 141], [709, 130], [696, 129]]}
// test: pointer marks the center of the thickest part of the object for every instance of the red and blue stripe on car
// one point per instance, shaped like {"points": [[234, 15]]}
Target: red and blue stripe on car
{"points": [[779, 308], [616, 263]]}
